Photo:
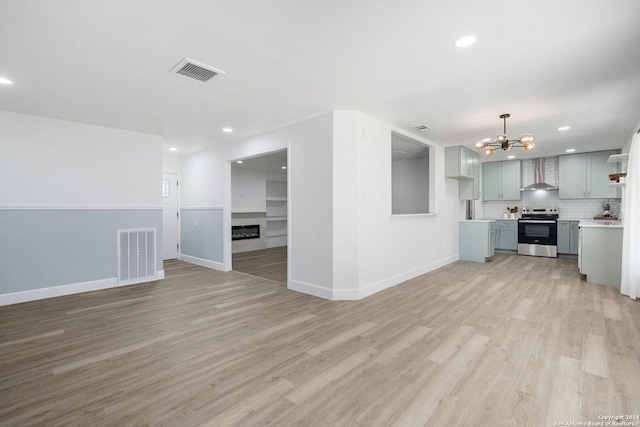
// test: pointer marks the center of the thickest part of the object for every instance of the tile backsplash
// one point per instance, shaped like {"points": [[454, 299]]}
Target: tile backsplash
{"points": [[568, 208]]}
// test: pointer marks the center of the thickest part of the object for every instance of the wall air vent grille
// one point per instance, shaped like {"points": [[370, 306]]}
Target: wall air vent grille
{"points": [[422, 128], [195, 71], [136, 254]]}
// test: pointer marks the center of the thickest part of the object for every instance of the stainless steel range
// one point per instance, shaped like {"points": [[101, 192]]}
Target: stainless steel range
{"points": [[538, 232]]}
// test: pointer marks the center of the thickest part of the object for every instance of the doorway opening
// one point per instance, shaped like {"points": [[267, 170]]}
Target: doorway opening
{"points": [[260, 202], [170, 218]]}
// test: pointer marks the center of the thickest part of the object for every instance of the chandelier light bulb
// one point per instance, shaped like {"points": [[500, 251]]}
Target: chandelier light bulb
{"points": [[481, 144], [527, 138], [501, 138], [528, 146], [488, 152]]}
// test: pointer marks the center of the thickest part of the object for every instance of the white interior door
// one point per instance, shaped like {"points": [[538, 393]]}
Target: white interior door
{"points": [[169, 216]]}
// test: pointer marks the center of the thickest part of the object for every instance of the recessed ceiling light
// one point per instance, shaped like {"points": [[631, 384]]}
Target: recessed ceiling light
{"points": [[284, 167], [570, 150], [511, 157], [173, 149], [486, 140], [465, 41], [5, 81], [239, 162], [564, 128], [227, 130]]}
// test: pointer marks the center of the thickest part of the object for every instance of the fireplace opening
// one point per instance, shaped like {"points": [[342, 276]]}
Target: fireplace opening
{"points": [[243, 232]]}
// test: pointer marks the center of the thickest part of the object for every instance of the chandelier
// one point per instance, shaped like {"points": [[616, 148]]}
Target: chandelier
{"points": [[526, 141]]}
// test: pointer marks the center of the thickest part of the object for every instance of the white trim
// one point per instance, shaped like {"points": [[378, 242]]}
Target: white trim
{"points": [[414, 215], [227, 254], [79, 208], [70, 289], [203, 262], [363, 292], [400, 278], [201, 208], [308, 288]]}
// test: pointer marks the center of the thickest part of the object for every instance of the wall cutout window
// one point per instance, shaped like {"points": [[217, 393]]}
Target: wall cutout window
{"points": [[409, 176]]}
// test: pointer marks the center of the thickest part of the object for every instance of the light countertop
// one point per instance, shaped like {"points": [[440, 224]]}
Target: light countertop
{"points": [[600, 224], [559, 219], [476, 220]]}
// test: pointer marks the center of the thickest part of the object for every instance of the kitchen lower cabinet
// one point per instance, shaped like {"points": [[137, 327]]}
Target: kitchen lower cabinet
{"points": [[476, 240], [586, 176], [568, 237], [507, 234], [601, 254]]}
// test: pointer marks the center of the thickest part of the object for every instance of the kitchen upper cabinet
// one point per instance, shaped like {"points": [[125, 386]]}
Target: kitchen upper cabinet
{"points": [[568, 237], [586, 176], [464, 165], [501, 180], [507, 234]]}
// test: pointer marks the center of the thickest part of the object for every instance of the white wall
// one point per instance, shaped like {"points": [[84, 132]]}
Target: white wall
{"points": [[206, 184], [343, 242], [202, 179], [409, 182], [170, 164], [248, 190], [309, 176], [391, 249], [57, 163], [68, 188]]}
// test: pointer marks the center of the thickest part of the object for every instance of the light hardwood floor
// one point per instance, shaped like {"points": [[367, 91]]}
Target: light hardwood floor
{"points": [[518, 341], [270, 264]]}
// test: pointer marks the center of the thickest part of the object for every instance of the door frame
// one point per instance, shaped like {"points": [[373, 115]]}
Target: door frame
{"points": [[178, 217], [226, 213]]}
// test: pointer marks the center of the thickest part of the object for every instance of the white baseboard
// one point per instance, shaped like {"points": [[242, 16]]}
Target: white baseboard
{"points": [[403, 277], [202, 262], [360, 293], [70, 289], [307, 288]]}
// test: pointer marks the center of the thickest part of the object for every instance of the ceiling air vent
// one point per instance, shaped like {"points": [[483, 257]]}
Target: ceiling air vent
{"points": [[422, 128], [195, 70]]}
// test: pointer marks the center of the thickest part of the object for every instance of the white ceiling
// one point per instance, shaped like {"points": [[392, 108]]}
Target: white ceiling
{"points": [[548, 63]]}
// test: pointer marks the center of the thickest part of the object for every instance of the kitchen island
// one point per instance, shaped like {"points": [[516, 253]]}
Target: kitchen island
{"points": [[600, 251], [476, 239]]}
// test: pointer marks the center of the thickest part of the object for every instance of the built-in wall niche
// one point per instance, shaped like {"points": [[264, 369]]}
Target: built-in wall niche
{"points": [[409, 176]]}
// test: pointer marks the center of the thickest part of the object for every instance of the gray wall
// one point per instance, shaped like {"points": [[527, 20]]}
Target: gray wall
{"points": [[201, 234], [410, 186], [45, 248]]}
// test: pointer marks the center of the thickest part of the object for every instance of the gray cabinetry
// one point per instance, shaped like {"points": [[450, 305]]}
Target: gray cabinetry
{"points": [[476, 240], [507, 234], [586, 176], [568, 237], [464, 165], [601, 254], [501, 180]]}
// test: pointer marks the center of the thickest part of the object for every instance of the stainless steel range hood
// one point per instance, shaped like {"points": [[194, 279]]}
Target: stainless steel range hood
{"points": [[538, 178]]}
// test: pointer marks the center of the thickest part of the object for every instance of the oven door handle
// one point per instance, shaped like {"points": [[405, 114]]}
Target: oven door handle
{"points": [[537, 221]]}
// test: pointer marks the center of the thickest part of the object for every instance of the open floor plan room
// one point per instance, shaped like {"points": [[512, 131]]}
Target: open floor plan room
{"points": [[513, 342]]}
